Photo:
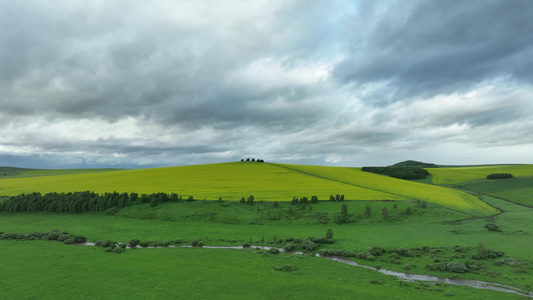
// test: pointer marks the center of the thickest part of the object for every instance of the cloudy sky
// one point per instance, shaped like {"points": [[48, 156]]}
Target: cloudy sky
{"points": [[351, 83]]}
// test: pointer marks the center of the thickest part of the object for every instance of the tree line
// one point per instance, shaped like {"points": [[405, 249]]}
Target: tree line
{"points": [[253, 160], [83, 202], [399, 172], [499, 176]]}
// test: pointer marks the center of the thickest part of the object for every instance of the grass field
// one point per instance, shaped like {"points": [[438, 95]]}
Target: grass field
{"points": [[52, 270], [268, 182], [61, 272], [457, 175], [518, 189]]}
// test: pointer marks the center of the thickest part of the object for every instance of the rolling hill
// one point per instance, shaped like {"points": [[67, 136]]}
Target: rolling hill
{"points": [[265, 181]]}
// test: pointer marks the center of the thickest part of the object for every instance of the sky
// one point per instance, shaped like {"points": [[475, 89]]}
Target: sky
{"points": [[139, 84]]}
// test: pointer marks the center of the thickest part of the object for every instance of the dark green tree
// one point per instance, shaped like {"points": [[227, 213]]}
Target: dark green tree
{"points": [[385, 213]]}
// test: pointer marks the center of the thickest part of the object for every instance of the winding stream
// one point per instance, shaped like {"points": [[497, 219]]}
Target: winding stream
{"points": [[403, 276]]}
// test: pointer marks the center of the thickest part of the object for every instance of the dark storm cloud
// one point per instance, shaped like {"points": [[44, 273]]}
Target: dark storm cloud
{"points": [[113, 59], [425, 48], [131, 83]]}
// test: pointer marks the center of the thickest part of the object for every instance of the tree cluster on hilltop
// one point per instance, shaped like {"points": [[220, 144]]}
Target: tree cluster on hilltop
{"points": [[253, 160]]}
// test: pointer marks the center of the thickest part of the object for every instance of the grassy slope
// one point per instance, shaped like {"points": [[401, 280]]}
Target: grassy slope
{"points": [[456, 175], [411, 190], [231, 181], [518, 189]]}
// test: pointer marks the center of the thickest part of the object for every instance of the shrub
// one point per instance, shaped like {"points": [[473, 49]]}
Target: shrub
{"points": [[473, 265], [63, 237], [145, 244], [98, 243], [107, 243], [133, 243], [52, 235], [79, 239], [12, 236], [246, 245], [492, 227], [308, 245], [495, 254], [376, 250], [69, 241], [456, 267], [118, 250], [274, 251], [347, 253], [499, 262], [436, 267], [108, 249], [394, 256], [178, 241], [289, 247], [459, 249], [366, 256], [329, 234], [162, 244]]}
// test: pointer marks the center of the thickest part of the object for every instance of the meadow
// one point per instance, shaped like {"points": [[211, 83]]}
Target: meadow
{"points": [[436, 231], [458, 175]]}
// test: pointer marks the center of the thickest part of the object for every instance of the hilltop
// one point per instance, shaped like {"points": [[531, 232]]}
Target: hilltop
{"points": [[414, 163]]}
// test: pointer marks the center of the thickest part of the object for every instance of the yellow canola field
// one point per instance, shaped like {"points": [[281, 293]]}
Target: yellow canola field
{"points": [[457, 175], [412, 190], [264, 181], [231, 181]]}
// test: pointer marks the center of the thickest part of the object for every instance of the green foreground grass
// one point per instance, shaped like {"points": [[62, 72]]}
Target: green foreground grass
{"points": [[60, 272], [230, 223]]}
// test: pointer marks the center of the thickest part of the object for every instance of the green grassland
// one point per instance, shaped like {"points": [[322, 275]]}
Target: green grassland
{"points": [[452, 220], [268, 182], [457, 175], [61, 272], [518, 189]]}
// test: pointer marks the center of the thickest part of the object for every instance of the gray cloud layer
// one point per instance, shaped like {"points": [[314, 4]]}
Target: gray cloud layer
{"points": [[129, 84]]}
